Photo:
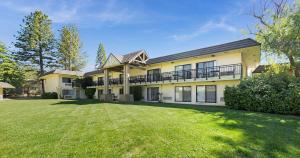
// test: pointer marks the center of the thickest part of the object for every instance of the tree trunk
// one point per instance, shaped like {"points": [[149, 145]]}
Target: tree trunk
{"points": [[294, 66], [42, 68]]}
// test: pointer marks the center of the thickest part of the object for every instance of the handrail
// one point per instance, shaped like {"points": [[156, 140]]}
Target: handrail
{"points": [[216, 71]]}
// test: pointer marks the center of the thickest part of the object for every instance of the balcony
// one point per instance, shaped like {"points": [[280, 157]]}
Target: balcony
{"points": [[112, 81], [98, 83], [115, 81], [224, 72], [68, 84]]}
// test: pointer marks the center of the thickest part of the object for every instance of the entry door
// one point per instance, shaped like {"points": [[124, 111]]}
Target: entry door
{"points": [[153, 94]]}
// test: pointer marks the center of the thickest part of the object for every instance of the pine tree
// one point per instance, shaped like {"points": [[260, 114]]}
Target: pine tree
{"points": [[101, 56], [35, 42], [69, 48]]}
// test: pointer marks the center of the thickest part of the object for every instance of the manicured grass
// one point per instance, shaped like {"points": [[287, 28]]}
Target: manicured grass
{"points": [[53, 128]]}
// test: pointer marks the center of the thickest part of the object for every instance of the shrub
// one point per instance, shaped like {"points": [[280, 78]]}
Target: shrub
{"points": [[269, 92], [89, 92], [136, 91], [50, 95]]}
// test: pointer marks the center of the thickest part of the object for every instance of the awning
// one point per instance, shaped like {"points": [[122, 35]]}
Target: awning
{"points": [[5, 85]]}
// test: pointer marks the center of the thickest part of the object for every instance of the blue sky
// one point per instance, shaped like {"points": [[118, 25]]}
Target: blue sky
{"points": [[160, 27]]}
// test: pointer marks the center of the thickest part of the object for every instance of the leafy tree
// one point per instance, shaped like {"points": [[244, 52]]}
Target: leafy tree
{"points": [[10, 71], [278, 30], [101, 56], [35, 42], [69, 47]]}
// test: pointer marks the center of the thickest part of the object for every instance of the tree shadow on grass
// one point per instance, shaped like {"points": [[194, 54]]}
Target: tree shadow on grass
{"points": [[77, 102], [262, 135]]}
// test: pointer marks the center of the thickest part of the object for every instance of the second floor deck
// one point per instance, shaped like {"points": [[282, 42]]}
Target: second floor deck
{"points": [[223, 72]]}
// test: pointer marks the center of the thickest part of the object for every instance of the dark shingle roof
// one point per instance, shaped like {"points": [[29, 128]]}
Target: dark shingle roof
{"points": [[261, 69], [91, 73], [64, 72], [208, 50]]}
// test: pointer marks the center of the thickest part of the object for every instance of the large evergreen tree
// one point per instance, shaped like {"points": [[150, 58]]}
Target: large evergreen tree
{"points": [[101, 56], [278, 30], [35, 42], [69, 47]]}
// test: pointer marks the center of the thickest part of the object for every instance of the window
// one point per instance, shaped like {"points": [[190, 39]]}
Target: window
{"points": [[153, 94], [153, 75], [100, 92], [109, 91], [183, 71], [66, 80], [205, 68], [121, 91], [183, 94], [67, 92], [207, 94]]}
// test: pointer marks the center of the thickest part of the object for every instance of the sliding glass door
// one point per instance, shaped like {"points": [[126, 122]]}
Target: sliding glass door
{"points": [[153, 94], [183, 71], [205, 69], [183, 94], [207, 94]]}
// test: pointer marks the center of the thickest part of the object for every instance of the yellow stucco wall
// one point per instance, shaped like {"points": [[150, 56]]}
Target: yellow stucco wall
{"points": [[248, 57], [168, 91], [53, 83], [1, 93]]}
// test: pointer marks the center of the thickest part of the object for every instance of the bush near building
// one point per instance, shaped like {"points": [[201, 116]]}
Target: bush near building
{"points": [[50, 95], [275, 91]]}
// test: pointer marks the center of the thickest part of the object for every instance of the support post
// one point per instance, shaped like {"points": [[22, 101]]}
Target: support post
{"points": [[105, 81], [126, 79]]}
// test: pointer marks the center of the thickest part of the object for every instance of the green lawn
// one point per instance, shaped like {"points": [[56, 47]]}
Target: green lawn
{"points": [[53, 128]]}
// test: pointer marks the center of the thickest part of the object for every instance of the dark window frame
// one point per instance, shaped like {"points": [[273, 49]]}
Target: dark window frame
{"points": [[186, 73], [66, 78], [153, 77], [121, 91], [182, 94], [148, 95], [206, 93], [197, 67]]}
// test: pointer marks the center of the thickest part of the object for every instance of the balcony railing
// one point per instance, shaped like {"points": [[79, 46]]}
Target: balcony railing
{"points": [[216, 72], [206, 73], [115, 81], [68, 84], [112, 81]]}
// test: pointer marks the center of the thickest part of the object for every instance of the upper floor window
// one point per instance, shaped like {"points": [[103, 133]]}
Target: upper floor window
{"points": [[153, 75], [66, 80], [205, 68], [183, 71]]}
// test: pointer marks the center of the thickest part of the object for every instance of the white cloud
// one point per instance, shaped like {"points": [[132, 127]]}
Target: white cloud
{"points": [[65, 12], [114, 12], [19, 8], [207, 27]]}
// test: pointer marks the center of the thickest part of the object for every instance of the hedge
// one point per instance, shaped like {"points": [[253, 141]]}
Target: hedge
{"points": [[270, 92], [49, 95]]}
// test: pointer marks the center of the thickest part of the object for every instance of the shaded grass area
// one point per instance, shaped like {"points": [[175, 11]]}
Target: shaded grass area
{"points": [[88, 128]]}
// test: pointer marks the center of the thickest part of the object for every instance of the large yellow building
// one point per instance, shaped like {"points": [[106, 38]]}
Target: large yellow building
{"points": [[192, 77]]}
